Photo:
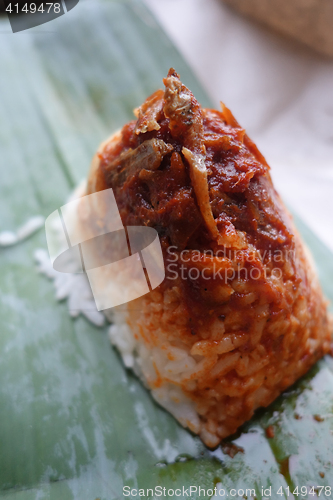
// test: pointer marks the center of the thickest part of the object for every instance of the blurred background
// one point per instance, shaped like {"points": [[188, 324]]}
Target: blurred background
{"points": [[279, 89]]}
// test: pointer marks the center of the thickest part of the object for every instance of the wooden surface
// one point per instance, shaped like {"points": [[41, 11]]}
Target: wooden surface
{"points": [[308, 21]]}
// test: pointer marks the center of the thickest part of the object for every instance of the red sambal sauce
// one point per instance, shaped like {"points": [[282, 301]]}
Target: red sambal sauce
{"points": [[240, 189], [241, 193]]}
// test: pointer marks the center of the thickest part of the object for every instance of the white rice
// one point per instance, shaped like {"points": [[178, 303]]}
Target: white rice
{"points": [[9, 238]]}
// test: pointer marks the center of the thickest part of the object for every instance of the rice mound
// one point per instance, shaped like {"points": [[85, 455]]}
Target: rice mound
{"points": [[215, 344]]}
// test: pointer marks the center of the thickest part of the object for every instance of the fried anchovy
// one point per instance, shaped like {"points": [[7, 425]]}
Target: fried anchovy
{"points": [[148, 156]]}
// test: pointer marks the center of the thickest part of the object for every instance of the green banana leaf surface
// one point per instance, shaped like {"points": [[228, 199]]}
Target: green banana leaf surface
{"points": [[74, 423]]}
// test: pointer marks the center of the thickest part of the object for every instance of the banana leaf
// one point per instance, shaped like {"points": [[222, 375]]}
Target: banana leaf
{"points": [[74, 423]]}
